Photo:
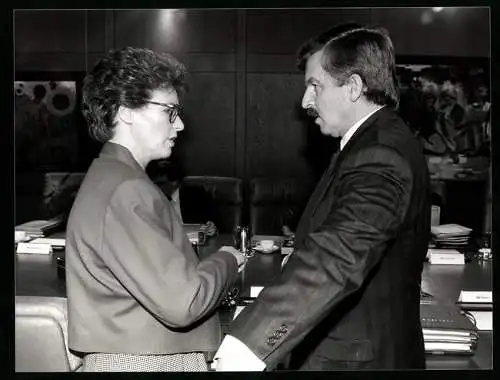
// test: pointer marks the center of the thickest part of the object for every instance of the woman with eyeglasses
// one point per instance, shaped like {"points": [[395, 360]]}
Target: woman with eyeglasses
{"points": [[139, 298]]}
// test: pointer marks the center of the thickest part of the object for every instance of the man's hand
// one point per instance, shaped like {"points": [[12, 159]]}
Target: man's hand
{"points": [[239, 256]]}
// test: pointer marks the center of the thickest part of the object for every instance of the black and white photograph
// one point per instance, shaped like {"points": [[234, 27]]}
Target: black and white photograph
{"points": [[253, 189]]}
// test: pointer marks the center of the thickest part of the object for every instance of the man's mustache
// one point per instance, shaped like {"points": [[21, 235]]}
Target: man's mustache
{"points": [[312, 112]]}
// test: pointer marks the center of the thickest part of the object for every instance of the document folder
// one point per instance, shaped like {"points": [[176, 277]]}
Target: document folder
{"points": [[446, 329]]}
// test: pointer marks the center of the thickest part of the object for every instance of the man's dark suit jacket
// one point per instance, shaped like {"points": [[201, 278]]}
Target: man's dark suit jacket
{"points": [[349, 296], [134, 283]]}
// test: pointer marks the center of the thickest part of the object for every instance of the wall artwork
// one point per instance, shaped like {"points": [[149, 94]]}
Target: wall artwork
{"points": [[46, 138]]}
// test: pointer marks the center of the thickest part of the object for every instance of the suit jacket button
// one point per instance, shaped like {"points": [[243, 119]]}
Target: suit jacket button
{"points": [[271, 341]]}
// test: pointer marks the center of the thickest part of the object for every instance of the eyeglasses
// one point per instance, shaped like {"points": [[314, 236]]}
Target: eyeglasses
{"points": [[172, 110]]}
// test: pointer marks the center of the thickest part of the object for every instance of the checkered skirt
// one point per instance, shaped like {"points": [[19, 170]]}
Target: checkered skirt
{"points": [[186, 362]]}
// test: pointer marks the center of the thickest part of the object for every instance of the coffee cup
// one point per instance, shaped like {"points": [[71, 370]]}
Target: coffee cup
{"points": [[267, 245]]}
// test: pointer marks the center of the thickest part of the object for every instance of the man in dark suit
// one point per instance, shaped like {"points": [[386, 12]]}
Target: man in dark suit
{"points": [[348, 297]]}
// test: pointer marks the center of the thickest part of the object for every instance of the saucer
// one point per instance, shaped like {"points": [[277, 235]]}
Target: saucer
{"points": [[258, 248]]}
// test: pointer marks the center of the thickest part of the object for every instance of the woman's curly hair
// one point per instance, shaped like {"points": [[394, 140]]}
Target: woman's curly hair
{"points": [[126, 77]]}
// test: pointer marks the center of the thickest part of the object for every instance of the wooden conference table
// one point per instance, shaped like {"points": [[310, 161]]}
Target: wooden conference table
{"points": [[40, 275]]}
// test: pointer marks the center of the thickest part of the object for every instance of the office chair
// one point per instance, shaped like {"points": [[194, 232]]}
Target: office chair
{"points": [[41, 342]]}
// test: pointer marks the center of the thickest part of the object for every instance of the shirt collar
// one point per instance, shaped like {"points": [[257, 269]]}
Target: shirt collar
{"points": [[354, 128]]}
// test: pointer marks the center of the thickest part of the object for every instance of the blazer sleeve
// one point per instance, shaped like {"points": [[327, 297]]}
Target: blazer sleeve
{"points": [[372, 197], [137, 248]]}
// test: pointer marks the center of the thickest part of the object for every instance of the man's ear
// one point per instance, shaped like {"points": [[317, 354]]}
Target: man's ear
{"points": [[125, 115], [356, 86]]}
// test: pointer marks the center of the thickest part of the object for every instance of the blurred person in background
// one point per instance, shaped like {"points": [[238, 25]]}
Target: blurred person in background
{"points": [[426, 119], [450, 116]]}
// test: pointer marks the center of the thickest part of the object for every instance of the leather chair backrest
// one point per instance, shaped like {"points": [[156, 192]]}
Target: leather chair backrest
{"points": [[275, 202], [41, 341], [219, 199]]}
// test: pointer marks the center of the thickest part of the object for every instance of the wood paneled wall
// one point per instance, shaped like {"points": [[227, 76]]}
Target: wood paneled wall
{"points": [[243, 111]]}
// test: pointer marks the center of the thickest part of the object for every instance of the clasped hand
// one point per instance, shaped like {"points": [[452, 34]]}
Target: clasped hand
{"points": [[241, 259]]}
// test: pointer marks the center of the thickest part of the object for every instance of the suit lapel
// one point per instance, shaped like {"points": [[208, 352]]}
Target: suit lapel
{"points": [[381, 113], [316, 197], [324, 184], [327, 179]]}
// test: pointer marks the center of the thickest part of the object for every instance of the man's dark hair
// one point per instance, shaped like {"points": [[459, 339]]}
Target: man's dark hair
{"points": [[353, 49], [126, 77], [317, 43]]}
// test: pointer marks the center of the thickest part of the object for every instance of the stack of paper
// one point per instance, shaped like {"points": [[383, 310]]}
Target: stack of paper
{"points": [[445, 256], [453, 235], [40, 249], [446, 330], [481, 297], [39, 228], [33, 244], [478, 305], [54, 242]]}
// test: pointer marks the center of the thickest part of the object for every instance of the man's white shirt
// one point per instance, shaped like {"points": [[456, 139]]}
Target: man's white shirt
{"points": [[347, 136], [233, 355]]}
